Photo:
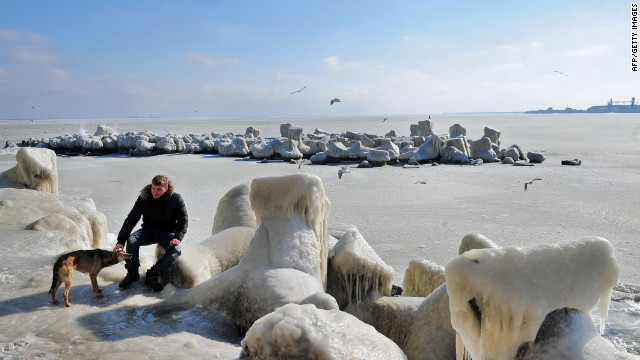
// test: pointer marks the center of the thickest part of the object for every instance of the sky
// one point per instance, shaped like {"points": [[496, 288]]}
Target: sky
{"points": [[111, 59]]}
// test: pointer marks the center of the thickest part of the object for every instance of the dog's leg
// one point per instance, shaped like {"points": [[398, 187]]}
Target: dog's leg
{"points": [[67, 285], [54, 289], [94, 285]]}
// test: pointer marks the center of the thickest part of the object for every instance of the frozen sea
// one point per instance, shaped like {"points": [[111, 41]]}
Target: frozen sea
{"points": [[404, 213]]}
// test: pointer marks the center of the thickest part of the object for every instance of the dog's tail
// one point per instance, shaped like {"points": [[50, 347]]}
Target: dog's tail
{"points": [[56, 277]]}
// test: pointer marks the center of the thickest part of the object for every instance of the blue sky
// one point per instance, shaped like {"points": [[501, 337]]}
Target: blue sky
{"points": [[106, 59]]}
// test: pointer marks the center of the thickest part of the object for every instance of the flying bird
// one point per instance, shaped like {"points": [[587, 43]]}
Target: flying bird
{"points": [[335, 100], [530, 182], [33, 107], [297, 91], [385, 119], [342, 171], [560, 72]]}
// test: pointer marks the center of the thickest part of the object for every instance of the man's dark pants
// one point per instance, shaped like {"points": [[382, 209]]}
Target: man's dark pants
{"points": [[143, 237]]}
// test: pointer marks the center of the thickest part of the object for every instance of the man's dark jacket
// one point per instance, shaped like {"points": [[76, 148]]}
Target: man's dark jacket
{"points": [[166, 213]]}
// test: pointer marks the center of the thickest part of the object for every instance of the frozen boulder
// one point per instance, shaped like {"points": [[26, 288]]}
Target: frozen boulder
{"points": [[36, 169], [237, 147], [422, 277], [535, 157], [499, 298], [233, 227], [378, 157], [493, 135], [425, 128], [356, 272], [104, 130], [286, 261], [421, 327], [475, 241], [306, 332], [482, 149], [457, 130], [432, 149], [454, 156]]}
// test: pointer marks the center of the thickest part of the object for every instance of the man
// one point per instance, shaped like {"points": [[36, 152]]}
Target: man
{"points": [[164, 222]]}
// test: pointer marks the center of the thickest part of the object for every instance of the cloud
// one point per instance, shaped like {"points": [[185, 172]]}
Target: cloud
{"points": [[208, 61], [334, 63], [32, 55], [591, 51], [9, 35], [12, 36], [58, 75], [36, 38], [509, 66]]}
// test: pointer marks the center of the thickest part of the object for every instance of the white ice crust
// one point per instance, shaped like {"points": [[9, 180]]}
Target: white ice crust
{"points": [[422, 277], [233, 227], [36, 169], [357, 271], [516, 288], [286, 259], [306, 332]]}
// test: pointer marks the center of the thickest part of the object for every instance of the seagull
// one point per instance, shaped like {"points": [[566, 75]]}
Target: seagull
{"points": [[33, 107], [297, 91], [385, 119], [342, 171], [335, 100], [530, 182], [560, 72], [299, 162]]}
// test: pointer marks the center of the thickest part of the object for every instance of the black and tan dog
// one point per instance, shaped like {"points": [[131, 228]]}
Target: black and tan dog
{"points": [[85, 261]]}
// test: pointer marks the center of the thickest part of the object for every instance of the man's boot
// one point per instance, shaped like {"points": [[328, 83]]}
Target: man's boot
{"points": [[132, 276], [153, 280]]}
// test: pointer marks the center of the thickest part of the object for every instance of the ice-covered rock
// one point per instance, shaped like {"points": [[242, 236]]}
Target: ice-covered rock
{"points": [[233, 227], [356, 271], [535, 157], [306, 332], [104, 130], [493, 135], [378, 157], [454, 156], [482, 149], [457, 130], [286, 261], [236, 147], [432, 149], [422, 277], [36, 169], [500, 297], [475, 241]]}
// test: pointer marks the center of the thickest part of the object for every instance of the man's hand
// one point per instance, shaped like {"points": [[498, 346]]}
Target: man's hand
{"points": [[174, 242], [118, 247]]}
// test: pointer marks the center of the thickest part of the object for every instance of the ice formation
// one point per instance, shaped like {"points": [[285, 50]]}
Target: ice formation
{"points": [[422, 277], [357, 271], [233, 227], [293, 212], [306, 332], [36, 169], [499, 297], [475, 241], [56, 223], [286, 260]]}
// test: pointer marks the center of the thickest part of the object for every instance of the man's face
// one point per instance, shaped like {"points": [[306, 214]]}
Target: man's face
{"points": [[158, 190]]}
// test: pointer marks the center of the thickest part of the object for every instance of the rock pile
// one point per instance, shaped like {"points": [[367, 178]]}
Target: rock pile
{"points": [[320, 147]]}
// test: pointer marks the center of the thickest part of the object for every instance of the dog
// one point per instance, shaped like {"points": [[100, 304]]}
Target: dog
{"points": [[85, 261]]}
